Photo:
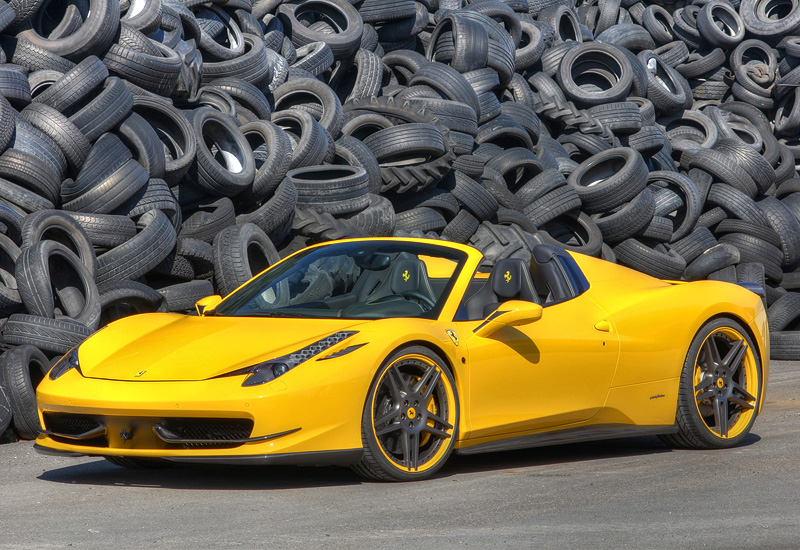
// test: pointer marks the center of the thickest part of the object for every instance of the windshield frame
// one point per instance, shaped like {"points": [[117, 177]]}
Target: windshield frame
{"points": [[234, 302]]}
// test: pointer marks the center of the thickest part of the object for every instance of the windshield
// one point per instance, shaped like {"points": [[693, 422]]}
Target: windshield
{"points": [[355, 280]]}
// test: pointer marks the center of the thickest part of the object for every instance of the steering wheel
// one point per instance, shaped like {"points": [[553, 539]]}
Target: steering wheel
{"points": [[419, 297], [410, 295]]}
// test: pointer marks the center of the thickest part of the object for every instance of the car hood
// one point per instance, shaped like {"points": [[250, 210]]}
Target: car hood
{"points": [[168, 347]]}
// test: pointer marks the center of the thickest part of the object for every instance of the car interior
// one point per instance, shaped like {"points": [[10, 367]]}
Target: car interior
{"points": [[551, 277]]}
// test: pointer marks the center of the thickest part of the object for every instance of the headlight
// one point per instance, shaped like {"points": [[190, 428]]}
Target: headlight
{"points": [[69, 361], [272, 369]]}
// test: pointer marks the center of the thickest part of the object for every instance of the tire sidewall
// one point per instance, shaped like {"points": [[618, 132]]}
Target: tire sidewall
{"points": [[389, 469], [687, 396]]}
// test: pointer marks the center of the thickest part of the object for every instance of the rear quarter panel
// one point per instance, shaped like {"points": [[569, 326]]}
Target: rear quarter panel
{"points": [[657, 320]]}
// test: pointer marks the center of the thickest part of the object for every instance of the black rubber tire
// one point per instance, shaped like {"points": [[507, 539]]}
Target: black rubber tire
{"points": [[56, 336], [557, 202], [787, 226], [448, 82], [105, 230], [472, 195], [21, 370], [299, 93], [309, 139], [272, 155], [112, 191], [105, 111], [334, 189], [94, 35], [638, 255], [61, 227], [593, 74], [61, 130], [28, 171], [208, 219], [353, 152], [175, 132], [230, 168], [609, 179], [181, 297], [736, 204], [253, 66], [343, 43], [627, 220], [10, 300], [240, 252], [121, 298], [51, 278], [665, 86], [784, 312], [155, 73], [142, 141], [374, 464], [140, 254], [715, 258], [377, 220], [693, 432]]}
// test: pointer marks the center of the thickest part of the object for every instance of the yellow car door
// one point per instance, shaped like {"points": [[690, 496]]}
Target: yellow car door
{"points": [[551, 372]]}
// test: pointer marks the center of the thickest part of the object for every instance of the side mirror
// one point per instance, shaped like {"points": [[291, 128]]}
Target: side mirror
{"points": [[207, 304], [509, 314]]}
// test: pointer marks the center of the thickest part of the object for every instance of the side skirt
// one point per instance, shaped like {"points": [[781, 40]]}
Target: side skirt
{"points": [[569, 435]]}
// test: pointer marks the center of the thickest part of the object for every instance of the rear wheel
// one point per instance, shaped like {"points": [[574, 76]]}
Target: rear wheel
{"points": [[410, 418], [720, 388]]}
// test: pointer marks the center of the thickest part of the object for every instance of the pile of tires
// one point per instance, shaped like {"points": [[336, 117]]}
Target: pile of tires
{"points": [[153, 152]]}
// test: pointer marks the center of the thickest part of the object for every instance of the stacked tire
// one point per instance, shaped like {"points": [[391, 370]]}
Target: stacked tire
{"points": [[155, 152]]}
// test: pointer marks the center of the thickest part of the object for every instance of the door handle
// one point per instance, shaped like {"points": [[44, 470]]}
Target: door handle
{"points": [[603, 326]]}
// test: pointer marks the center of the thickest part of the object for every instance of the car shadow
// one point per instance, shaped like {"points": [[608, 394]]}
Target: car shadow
{"points": [[254, 478]]}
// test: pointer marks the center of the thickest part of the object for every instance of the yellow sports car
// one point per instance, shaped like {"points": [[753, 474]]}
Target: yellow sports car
{"points": [[390, 354]]}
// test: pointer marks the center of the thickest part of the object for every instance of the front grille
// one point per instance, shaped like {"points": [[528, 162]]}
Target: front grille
{"points": [[73, 424], [223, 430]]}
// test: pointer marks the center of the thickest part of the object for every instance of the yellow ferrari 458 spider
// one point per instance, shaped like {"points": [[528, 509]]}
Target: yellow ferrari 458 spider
{"points": [[390, 354]]}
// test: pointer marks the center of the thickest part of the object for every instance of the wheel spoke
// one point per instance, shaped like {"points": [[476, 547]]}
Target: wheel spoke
{"points": [[432, 386], [388, 416], [424, 379], [406, 445], [711, 353], [413, 442], [705, 383], [721, 416], [706, 395], [388, 429], [439, 420], [436, 431], [744, 393], [741, 402], [733, 359], [398, 383]]}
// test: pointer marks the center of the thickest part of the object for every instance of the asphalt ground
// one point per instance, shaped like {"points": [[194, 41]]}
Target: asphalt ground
{"points": [[625, 493]]}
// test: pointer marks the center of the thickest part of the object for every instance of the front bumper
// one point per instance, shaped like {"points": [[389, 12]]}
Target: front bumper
{"points": [[211, 421]]}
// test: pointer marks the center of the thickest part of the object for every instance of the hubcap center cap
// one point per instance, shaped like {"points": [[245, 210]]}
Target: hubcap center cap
{"points": [[412, 413]]}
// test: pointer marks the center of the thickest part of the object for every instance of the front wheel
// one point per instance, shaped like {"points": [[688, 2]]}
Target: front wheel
{"points": [[410, 417], [720, 388]]}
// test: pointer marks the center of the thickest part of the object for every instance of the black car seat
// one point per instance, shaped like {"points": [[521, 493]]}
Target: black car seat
{"points": [[550, 276], [405, 275], [510, 279]]}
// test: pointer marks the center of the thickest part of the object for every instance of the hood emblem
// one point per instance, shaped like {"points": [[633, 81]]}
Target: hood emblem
{"points": [[451, 333], [139, 374]]}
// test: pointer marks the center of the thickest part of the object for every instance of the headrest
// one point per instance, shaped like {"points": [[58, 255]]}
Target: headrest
{"points": [[509, 277], [408, 275]]}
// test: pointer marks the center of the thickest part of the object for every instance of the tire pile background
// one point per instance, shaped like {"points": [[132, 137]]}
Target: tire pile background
{"points": [[158, 151]]}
